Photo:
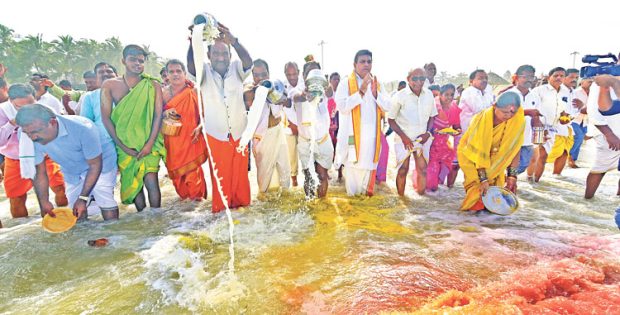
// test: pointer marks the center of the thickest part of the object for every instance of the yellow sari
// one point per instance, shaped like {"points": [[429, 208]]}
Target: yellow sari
{"points": [[476, 151]]}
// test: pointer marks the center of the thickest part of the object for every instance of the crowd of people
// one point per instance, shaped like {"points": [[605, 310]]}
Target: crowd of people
{"points": [[75, 143]]}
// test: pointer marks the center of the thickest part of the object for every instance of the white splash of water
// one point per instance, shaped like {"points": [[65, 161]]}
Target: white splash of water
{"points": [[198, 48], [183, 278]]}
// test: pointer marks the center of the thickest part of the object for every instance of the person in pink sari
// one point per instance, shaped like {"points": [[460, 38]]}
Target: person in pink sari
{"points": [[334, 80], [443, 149]]}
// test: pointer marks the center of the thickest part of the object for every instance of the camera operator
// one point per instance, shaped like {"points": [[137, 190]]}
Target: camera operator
{"points": [[606, 105], [604, 112]]}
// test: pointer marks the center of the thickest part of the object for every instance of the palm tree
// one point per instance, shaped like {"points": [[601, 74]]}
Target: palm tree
{"points": [[90, 52], [35, 53], [112, 51], [153, 64], [6, 36], [65, 55]]}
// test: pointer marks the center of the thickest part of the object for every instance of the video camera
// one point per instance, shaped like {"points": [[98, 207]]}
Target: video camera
{"points": [[611, 68]]}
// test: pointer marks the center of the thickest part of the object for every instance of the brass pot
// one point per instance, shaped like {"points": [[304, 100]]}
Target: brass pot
{"points": [[171, 127]]}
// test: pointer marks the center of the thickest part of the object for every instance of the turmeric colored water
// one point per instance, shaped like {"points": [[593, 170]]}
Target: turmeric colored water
{"points": [[340, 255]]}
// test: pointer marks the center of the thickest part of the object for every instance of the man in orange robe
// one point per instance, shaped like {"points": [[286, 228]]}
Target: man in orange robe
{"points": [[187, 151], [225, 118]]}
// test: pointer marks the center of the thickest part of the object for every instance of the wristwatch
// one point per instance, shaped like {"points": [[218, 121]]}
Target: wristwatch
{"points": [[85, 198]]}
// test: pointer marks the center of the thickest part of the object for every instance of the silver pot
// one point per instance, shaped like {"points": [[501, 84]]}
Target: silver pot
{"points": [[205, 18], [210, 32], [316, 83], [276, 90], [538, 135]]}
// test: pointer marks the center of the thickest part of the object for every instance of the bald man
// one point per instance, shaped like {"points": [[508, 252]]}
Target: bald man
{"points": [[411, 117]]}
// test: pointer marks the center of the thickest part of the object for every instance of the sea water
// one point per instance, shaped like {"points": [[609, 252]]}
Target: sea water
{"points": [[343, 255]]}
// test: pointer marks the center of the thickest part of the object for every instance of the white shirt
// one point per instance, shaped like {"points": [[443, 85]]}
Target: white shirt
{"points": [[77, 106], [472, 102], [412, 112], [289, 112], [529, 101], [345, 103], [53, 103], [321, 124], [581, 95], [427, 83], [595, 116], [552, 104], [224, 111]]}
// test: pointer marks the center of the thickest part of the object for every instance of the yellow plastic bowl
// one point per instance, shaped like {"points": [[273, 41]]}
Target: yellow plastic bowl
{"points": [[63, 221]]}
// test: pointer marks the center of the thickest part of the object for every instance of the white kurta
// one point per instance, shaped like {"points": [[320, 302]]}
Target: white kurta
{"points": [[412, 113], [289, 112], [224, 112], [605, 159], [52, 103], [552, 104], [322, 149], [581, 95], [345, 104], [472, 102], [529, 101]]}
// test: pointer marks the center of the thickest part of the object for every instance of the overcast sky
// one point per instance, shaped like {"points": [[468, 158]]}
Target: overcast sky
{"points": [[459, 36]]}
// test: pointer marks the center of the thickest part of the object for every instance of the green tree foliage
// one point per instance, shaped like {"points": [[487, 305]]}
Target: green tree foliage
{"points": [[64, 57]]}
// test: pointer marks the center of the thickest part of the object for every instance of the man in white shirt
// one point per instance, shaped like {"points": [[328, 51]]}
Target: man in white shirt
{"points": [[430, 70], [268, 144], [606, 130], [313, 120], [15, 186], [554, 106], [475, 98], [579, 113], [361, 103], [525, 80], [291, 71], [40, 83], [411, 117], [225, 117]]}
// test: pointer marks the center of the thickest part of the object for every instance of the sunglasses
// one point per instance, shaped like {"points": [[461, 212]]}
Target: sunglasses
{"points": [[418, 78]]}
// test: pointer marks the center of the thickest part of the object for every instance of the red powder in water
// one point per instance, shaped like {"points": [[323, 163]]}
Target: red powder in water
{"points": [[569, 286]]}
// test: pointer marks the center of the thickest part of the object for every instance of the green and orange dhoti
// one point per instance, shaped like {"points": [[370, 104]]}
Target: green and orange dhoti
{"points": [[133, 119]]}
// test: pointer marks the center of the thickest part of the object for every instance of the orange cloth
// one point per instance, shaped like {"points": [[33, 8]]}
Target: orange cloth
{"points": [[185, 158], [232, 169], [191, 185], [356, 116], [15, 186]]}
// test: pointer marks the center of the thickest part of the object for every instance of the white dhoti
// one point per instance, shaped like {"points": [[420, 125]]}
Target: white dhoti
{"points": [[402, 154], [293, 158], [103, 192], [271, 153], [323, 152], [605, 159], [356, 180]]}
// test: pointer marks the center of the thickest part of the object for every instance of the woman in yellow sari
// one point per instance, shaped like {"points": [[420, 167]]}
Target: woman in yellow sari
{"points": [[490, 146]]}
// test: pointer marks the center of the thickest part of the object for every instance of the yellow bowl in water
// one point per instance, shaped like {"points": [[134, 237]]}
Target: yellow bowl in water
{"points": [[63, 221]]}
